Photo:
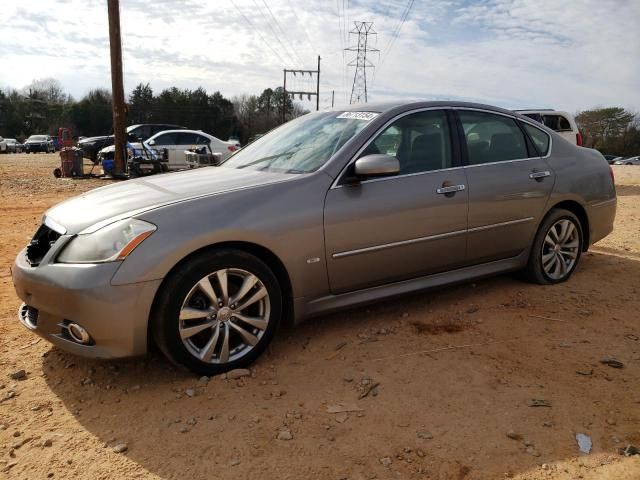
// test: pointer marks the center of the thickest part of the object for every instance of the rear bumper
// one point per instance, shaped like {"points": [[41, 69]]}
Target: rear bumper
{"points": [[116, 317], [601, 217]]}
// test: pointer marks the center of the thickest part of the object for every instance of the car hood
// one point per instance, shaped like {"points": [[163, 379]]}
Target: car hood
{"points": [[106, 204]]}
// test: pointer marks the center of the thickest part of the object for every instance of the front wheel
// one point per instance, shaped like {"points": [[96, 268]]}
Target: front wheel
{"points": [[556, 248], [218, 311]]}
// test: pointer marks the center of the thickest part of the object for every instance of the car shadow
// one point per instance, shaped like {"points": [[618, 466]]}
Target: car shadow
{"points": [[435, 382]]}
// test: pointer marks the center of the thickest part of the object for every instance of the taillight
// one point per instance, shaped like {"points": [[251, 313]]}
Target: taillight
{"points": [[579, 139], [232, 148]]}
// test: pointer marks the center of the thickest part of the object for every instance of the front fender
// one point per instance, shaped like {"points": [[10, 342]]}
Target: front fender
{"points": [[286, 219]]}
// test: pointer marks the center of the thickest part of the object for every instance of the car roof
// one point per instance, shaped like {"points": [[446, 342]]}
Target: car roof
{"points": [[181, 130], [543, 111], [383, 107]]}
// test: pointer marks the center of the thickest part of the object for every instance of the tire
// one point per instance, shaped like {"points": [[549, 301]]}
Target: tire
{"points": [[555, 252], [198, 341]]}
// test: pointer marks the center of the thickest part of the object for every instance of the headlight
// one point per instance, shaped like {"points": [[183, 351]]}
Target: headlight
{"points": [[110, 243]]}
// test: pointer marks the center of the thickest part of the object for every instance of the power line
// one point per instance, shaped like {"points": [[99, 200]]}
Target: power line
{"points": [[396, 32], [258, 32], [275, 34], [282, 31], [304, 29]]}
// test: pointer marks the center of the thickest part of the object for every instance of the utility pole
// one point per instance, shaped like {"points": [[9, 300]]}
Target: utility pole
{"points": [[333, 96], [117, 86], [361, 62], [318, 87], [300, 93]]}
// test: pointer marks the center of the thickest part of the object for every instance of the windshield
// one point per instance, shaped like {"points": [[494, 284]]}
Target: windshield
{"points": [[302, 145], [38, 138]]}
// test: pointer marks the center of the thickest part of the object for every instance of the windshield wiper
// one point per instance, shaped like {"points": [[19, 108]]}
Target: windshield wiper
{"points": [[260, 160]]}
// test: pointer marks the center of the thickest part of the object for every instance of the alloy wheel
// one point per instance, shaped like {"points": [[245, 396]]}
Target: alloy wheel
{"points": [[560, 249], [224, 315]]}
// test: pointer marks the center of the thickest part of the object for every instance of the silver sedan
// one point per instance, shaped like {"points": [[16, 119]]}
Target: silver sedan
{"points": [[330, 210]]}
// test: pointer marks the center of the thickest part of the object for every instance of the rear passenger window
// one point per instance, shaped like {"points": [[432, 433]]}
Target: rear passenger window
{"points": [[420, 141], [187, 138], [540, 139], [491, 138]]}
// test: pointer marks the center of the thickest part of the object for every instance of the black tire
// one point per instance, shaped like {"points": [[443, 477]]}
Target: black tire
{"points": [[535, 271], [164, 321]]}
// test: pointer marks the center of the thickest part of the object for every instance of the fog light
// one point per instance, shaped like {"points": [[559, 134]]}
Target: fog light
{"points": [[79, 334], [28, 316]]}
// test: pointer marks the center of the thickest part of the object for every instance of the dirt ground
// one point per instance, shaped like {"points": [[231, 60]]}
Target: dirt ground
{"points": [[447, 375]]}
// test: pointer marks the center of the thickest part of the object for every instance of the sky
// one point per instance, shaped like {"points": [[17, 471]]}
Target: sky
{"points": [[564, 54]]}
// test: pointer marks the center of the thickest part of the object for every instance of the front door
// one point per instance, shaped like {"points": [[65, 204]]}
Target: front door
{"points": [[394, 228], [509, 185]]}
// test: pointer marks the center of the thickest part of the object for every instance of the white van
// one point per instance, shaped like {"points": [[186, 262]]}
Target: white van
{"points": [[561, 122]]}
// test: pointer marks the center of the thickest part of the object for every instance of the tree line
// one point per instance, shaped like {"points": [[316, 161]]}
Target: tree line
{"points": [[613, 130], [43, 106]]}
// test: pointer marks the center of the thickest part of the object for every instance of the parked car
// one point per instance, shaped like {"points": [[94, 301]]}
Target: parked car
{"points": [[235, 141], [176, 142], [13, 146], [327, 211], [561, 122], [612, 158], [3, 146], [39, 143], [628, 161], [135, 133]]}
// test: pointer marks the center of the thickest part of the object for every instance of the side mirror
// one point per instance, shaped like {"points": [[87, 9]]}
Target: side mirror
{"points": [[377, 165], [151, 142]]}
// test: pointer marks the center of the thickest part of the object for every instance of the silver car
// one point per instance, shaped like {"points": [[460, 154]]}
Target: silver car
{"points": [[330, 210]]}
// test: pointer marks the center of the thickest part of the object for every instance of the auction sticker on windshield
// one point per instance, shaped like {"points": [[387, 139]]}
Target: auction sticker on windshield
{"points": [[366, 116]]}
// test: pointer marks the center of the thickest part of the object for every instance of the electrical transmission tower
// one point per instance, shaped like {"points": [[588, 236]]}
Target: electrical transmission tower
{"points": [[359, 89]]}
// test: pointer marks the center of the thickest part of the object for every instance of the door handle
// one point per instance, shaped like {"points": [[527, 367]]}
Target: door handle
{"points": [[450, 189], [539, 176]]}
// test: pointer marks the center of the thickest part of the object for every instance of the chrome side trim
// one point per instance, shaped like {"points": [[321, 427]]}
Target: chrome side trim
{"points": [[385, 246], [439, 236], [501, 162], [498, 225], [604, 203]]}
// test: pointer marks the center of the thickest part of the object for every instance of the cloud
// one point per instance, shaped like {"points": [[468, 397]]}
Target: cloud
{"points": [[513, 53]]}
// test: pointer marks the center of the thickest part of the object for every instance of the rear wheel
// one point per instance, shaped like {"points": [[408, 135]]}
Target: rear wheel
{"points": [[556, 248], [217, 312]]}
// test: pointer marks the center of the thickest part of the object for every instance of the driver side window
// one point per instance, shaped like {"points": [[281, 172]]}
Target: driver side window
{"points": [[420, 141]]}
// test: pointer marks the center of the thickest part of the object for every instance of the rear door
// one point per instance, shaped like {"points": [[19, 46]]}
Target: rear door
{"points": [[509, 184], [393, 228], [167, 141], [184, 141]]}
